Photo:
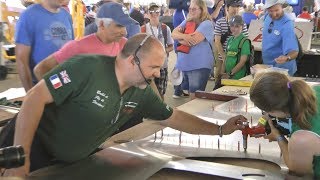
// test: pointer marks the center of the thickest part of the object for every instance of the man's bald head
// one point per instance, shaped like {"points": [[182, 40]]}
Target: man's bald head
{"points": [[150, 45]]}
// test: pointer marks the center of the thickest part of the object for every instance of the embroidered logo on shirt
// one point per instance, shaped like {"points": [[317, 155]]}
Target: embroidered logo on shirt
{"points": [[232, 53], [129, 107], [55, 81], [65, 77], [100, 99]]}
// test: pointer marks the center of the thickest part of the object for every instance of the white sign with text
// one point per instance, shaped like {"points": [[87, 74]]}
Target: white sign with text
{"points": [[303, 31]]}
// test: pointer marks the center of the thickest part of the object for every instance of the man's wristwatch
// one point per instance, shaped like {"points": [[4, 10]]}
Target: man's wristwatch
{"points": [[288, 58]]}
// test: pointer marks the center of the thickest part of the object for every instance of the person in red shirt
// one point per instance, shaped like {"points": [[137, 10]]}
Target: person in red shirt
{"points": [[305, 14]]}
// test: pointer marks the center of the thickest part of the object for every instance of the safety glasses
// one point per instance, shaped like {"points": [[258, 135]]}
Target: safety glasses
{"points": [[155, 11]]}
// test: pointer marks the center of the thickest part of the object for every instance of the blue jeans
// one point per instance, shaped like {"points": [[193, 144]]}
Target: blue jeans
{"points": [[196, 79]]}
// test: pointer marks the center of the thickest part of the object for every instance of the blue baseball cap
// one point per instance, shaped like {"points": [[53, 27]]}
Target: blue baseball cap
{"points": [[117, 12]]}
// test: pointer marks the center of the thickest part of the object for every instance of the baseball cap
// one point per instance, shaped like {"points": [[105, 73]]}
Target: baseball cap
{"points": [[115, 11], [233, 3], [270, 3], [236, 20]]}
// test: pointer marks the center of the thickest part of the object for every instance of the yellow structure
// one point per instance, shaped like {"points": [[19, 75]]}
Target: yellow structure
{"points": [[77, 18], [8, 31], [232, 82]]}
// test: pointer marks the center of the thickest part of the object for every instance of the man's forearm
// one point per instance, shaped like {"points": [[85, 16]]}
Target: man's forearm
{"points": [[25, 75], [190, 124], [28, 121], [40, 70], [218, 45], [45, 66], [220, 49], [215, 13], [293, 55]]}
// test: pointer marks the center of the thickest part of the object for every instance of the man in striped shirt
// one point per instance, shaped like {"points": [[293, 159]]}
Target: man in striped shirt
{"points": [[223, 33]]}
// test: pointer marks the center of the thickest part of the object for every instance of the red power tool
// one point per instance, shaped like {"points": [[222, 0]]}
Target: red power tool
{"points": [[252, 132]]}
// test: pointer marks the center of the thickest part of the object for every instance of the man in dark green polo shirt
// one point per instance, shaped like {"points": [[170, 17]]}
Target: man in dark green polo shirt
{"points": [[82, 102]]}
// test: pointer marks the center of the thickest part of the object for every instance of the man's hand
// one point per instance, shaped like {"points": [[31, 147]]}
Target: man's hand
{"points": [[220, 3], [274, 132], [22, 171], [281, 59], [234, 123]]}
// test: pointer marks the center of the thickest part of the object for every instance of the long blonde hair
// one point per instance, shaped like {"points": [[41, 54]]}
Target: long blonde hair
{"points": [[204, 11], [273, 91]]}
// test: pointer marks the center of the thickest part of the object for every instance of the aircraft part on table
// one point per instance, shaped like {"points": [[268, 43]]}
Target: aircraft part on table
{"points": [[258, 147]]}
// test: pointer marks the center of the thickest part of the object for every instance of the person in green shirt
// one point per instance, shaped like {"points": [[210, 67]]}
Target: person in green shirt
{"points": [[234, 68], [275, 94], [79, 104]]}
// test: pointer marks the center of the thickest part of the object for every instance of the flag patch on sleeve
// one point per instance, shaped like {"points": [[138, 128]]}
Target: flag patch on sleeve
{"points": [[55, 81], [65, 77]]}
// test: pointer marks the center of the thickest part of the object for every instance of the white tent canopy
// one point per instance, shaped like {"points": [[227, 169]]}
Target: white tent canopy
{"points": [[146, 2], [13, 3], [141, 2]]}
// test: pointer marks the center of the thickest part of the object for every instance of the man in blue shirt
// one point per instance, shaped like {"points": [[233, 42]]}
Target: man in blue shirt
{"points": [[248, 15], [279, 43], [41, 30]]}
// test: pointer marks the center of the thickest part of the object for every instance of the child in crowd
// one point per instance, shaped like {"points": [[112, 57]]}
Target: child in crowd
{"points": [[238, 50]]}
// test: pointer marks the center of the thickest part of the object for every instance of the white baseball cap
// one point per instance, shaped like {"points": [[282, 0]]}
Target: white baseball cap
{"points": [[270, 3]]}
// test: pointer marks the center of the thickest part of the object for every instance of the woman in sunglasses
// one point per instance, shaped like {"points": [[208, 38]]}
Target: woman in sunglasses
{"points": [[195, 34], [275, 94]]}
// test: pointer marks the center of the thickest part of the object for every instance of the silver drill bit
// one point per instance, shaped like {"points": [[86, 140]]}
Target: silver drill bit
{"points": [[155, 136], [245, 142], [161, 133], [259, 148]]}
